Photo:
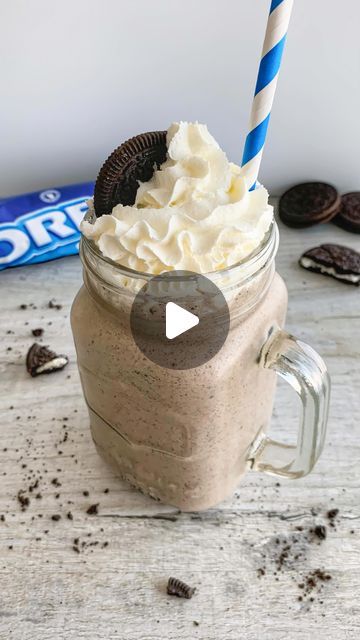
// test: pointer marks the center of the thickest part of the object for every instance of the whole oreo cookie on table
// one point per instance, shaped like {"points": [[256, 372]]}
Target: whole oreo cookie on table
{"points": [[334, 260], [133, 161], [308, 203], [348, 217]]}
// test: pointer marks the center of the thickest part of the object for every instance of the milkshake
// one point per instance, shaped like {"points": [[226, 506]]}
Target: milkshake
{"points": [[183, 436]]}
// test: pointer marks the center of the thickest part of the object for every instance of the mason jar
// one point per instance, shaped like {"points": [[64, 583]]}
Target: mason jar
{"points": [[187, 436]]}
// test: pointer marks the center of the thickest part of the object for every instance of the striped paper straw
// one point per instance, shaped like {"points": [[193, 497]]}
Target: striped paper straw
{"points": [[273, 48]]}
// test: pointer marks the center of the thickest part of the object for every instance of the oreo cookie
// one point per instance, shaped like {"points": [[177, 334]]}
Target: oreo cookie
{"points": [[41, 359], [308, 204], [334, 260], [348, 217], [133, 162]]}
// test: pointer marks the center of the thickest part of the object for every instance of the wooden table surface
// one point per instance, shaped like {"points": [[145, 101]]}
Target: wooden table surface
{"points": [[104, 576]]}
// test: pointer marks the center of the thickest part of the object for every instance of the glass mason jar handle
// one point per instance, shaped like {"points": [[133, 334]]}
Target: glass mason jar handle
{"points": [[306, 372]]}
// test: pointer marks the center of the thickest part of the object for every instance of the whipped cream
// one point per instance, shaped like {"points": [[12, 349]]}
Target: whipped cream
{"points": [[195, 213]]}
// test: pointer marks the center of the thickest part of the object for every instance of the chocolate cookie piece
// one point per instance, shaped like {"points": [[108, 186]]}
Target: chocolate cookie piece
{"points": [[40, 359], [308, 203], [176, 587], [348, 217], [334, 260], [133, 161]]}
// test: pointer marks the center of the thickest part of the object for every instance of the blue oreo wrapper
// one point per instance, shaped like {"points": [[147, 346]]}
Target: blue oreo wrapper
{"points": [[42, 226]]}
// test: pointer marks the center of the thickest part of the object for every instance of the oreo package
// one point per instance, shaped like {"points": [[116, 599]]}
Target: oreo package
{"points": [[42, 226]]}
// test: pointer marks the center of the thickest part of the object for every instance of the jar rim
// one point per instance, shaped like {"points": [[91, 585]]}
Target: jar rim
{"points": [[260, 256]]}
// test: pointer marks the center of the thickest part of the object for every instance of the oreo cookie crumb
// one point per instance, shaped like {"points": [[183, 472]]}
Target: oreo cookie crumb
{"points": [[70, 516], [56, 517], [320, 531], [37, 332], [54, 305], [176, 587], [288, 553], [313, 580], [93, 510], [23, 500], [86, 494]]}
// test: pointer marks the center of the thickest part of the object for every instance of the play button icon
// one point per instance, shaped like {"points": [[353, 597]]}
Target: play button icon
{"points": [[179, 320]]}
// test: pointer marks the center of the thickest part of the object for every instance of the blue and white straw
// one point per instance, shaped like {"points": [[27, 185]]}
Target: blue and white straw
{"points": [[268, 74]]}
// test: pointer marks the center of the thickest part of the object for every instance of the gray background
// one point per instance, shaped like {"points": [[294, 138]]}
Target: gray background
{"points": [[80, 76]]}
